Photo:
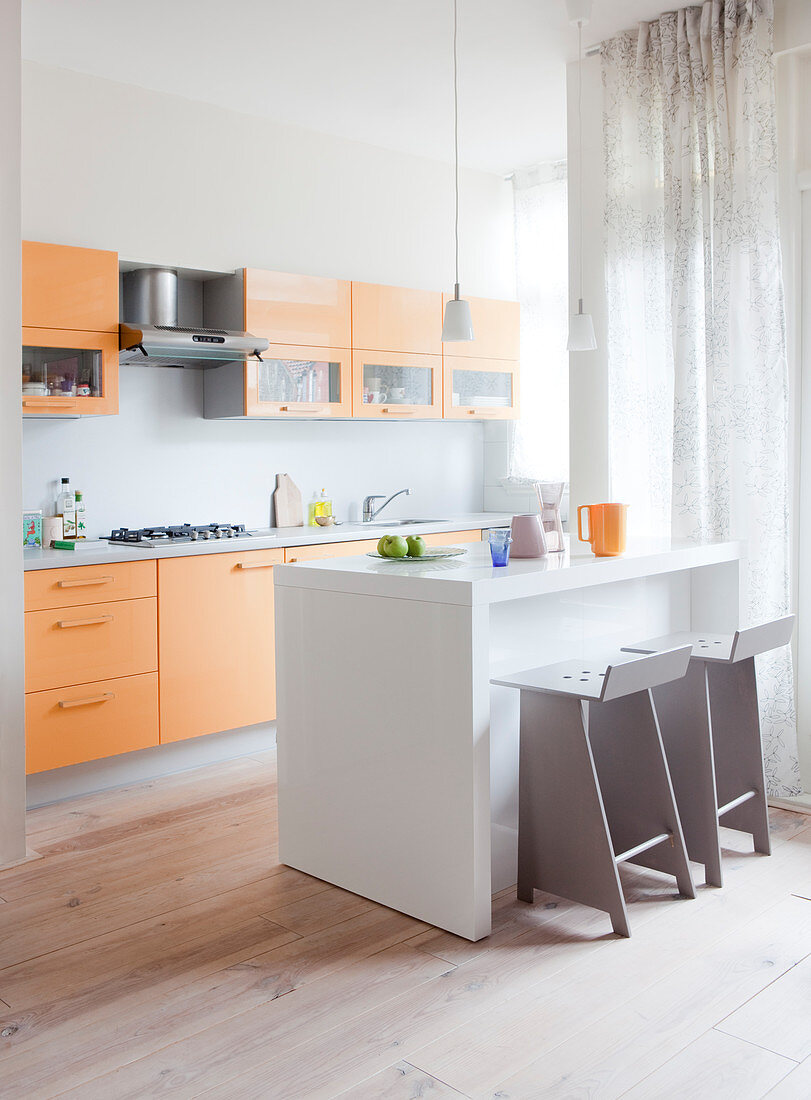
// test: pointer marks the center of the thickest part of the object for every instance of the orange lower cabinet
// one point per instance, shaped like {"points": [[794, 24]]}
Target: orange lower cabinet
{"points": [[74, 724], [452, 538], [216, 642], [79, 645], [329, 550]]}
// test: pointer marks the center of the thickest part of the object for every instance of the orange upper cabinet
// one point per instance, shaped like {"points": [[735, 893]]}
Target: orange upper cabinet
{"points": [[68, 373], [391, 318], [480, 389], [70, 331], [299, 310], [69, 288], [495, 328]]}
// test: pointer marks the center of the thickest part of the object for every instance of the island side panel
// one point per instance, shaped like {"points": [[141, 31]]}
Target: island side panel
{"points": [[383, 751]]}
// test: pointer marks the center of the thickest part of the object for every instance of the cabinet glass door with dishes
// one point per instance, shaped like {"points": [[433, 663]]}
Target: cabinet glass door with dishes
{"points": [[481, 375]]}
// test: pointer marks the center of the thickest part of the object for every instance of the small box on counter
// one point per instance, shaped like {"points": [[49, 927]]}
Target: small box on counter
{"points": [[32, 528]]}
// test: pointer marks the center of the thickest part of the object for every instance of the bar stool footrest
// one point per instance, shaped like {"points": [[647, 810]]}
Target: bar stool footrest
{"points": [[638, 849], [739, 801]]}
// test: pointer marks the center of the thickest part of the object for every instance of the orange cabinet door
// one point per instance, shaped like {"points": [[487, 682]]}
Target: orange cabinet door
{"points": [[452, 538], [216, 642], [299, 381], [80, 584], [74, 724], [495, 329], [82, 359], [392, 318], [77, 645], [393, 386], [479, 389], [329, 550], [69, 288], [298, 309]]}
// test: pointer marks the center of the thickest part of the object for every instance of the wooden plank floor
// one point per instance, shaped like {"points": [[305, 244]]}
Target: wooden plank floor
{"points": [[153, 944]]}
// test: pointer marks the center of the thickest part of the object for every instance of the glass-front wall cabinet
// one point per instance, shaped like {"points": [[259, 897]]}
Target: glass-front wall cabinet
{"points": [[481, 389], [69, 372], [304, 382], [391, 385]]}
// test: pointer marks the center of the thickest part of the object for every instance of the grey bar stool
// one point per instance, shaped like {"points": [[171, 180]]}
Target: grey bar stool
{"points": [[594, 789], [710, 726]]}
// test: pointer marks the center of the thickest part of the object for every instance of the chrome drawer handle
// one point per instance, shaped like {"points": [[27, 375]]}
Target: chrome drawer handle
{"points": [[65, 623], [83, 583], [105, 698], [255, 564]]}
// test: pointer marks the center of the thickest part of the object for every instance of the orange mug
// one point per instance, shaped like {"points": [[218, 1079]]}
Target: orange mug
{"points": [[606, 528]]}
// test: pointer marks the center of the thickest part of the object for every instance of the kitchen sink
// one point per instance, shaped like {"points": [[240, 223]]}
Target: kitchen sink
{"points": [[402, 522]]}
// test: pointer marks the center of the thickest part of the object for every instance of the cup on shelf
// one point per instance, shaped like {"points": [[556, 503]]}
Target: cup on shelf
{"points": [[397, 395], [500, 545], [606, 528]]}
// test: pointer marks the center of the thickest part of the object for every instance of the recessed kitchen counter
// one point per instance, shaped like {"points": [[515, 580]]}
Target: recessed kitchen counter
{"points": [[269, 538]]}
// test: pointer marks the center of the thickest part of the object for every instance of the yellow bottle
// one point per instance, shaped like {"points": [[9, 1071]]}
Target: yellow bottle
{"points": [[320, 505]]}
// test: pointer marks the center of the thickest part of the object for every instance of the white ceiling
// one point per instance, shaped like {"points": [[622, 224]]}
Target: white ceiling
{"points": [[377, 71]]}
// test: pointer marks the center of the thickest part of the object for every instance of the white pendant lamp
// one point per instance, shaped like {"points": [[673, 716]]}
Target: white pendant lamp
{"points": [[581, 326], [457, 324]]}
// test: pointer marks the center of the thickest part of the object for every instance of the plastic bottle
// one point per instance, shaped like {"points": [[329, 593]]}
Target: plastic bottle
{"points": [[81, 517], [312, 510], [66, 508], [325, 504]]}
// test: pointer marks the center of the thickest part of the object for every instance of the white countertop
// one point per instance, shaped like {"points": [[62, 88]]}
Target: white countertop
{"points": [[472, 579], [95, 552]]}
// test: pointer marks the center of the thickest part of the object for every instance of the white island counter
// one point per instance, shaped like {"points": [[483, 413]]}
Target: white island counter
{"points": [[398, 762]]}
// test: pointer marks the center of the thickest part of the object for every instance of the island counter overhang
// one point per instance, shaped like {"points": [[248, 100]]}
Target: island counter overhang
{"points": [[398, 761]]}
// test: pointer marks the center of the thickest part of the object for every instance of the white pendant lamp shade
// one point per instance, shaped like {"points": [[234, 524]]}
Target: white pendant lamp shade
{"points": [[457, 324], [581, 331]]}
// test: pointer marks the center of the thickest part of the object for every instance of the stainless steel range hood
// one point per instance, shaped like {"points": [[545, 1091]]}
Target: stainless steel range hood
{"points": [[151, 337]]}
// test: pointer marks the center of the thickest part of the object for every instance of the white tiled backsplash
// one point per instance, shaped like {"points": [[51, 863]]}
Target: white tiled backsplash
{"points": [[504, 498]]}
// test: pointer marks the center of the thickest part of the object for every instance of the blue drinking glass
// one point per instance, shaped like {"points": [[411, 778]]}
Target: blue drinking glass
{"points": [[500, 546]]}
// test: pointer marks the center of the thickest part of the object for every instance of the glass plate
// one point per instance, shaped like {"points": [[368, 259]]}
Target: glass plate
{"points": [[431, 554]]}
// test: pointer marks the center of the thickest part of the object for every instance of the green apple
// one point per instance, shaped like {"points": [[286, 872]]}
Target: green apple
{"points": [[380, 546], [416, 546], [394, 546]]}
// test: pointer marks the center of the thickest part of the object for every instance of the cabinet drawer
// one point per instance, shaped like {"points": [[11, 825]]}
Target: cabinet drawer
{"points": [[87, 584], [329, 550], [95, 642], [452, 538], [70, 725]]}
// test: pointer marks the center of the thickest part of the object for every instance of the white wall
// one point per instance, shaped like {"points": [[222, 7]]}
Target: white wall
{"points": [[12, 750], [163, 179], [588, 370]]}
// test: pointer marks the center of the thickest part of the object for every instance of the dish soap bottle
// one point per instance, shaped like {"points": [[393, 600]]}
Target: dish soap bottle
{"points": [[66, 508], [320, 505]]}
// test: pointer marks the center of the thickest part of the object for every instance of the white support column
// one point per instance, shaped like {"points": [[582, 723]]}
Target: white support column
{"points": [[12, 741]]}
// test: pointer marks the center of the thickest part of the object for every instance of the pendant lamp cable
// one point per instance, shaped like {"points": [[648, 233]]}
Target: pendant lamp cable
{"points": [[456, 150], [580, 157]]}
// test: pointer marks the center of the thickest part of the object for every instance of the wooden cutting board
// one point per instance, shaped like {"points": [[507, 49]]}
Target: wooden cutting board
{"points": [[287, 502]]}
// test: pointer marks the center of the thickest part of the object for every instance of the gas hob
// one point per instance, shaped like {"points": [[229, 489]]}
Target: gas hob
{"points": [[151, 537]]}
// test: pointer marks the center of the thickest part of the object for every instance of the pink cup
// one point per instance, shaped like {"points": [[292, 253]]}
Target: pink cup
{"points": [[528, 537]]}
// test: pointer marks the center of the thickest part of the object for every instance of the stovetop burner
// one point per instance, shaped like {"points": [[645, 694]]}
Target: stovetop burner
{"points": [[185, 532]]}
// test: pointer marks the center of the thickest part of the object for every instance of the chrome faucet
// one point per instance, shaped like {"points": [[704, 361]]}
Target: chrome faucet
{"points": [[370, 513]]}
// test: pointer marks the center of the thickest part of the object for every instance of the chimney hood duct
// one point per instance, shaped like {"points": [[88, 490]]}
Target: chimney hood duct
{"points": [[151, 336]]}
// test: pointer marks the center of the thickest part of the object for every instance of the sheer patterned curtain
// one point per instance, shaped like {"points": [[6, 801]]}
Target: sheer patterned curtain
{"points": [[698, 379], [540, 439]]}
